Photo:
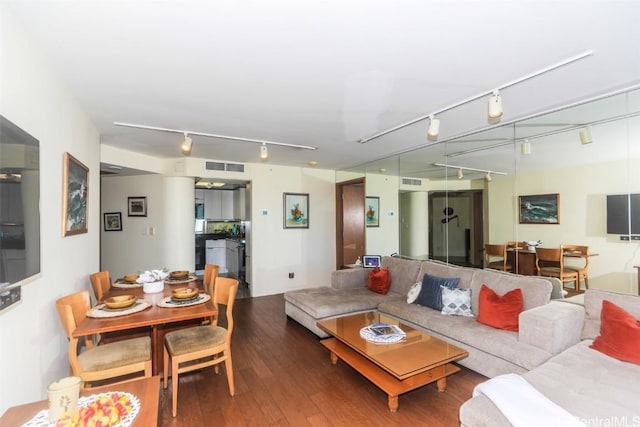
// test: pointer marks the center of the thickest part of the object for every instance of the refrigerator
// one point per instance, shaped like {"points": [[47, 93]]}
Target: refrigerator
{"points": [[248, 270]]}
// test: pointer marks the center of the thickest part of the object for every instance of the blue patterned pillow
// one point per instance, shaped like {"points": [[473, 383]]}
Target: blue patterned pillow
{"points": [[431, 294], [456, 302]]}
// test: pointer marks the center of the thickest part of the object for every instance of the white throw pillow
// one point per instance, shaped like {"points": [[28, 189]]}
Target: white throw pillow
{"points": [[413, 293], [456, 302]]}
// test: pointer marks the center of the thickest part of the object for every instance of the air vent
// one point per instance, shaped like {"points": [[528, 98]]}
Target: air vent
{"points": [[235, 167], [411, 181], [214, 166]]}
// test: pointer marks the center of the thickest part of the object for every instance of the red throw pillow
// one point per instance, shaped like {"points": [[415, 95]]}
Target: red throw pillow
{"points": [[500, 311], [619, 334], [379, 280]]}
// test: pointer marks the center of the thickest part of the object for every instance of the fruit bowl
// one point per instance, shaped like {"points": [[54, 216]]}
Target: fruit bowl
{"points": [[120, 301], [180, 274], [184, 293], [130, 278]]}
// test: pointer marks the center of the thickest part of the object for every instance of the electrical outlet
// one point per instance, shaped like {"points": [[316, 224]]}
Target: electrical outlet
{"points": [[635, 237], [624, 237], [291, 275]]}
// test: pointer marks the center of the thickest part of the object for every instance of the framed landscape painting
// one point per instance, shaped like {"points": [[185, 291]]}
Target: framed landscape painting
{"points": [[75, 196], [540, 209], [372, 212], [296, 210], [136, 206], [112, 221]]}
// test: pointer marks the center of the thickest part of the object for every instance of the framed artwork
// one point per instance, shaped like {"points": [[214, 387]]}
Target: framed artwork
{"points": [[76, 196], [112, 221], [540, 209], [136, 206], [296, 210], [372, 212]]}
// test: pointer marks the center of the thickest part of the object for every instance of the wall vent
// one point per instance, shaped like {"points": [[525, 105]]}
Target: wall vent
{"points": [[214, 166], [235, 167], [411, 181]]}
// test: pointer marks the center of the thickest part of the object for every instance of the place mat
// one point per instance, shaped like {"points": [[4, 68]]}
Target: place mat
{"points": [[102, 311], [167, 302], [126, 285], [169, 281], [373, 337], [42, 418]]}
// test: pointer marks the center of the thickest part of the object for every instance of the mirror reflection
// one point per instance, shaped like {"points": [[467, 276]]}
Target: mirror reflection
{"points": [[19, 203]]}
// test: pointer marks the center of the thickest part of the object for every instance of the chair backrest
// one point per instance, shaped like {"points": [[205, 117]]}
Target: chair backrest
{"points": [[210, 274], [492, 251], [101, 283], [549, 257], [514, 244], [583, 250], [224, 293], [72, 309]]}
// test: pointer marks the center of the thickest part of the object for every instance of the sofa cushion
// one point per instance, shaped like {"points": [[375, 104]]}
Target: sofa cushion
{"points": [[619, 334], [404, 273], [593, 305], [414, 292], [501, 312], [441, 269], [430, 292], [379, 280], [456, 302], [536, 291]]}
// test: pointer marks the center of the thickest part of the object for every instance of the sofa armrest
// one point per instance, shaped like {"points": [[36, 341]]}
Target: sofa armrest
{"points": [[553, 327], [350, 278]]}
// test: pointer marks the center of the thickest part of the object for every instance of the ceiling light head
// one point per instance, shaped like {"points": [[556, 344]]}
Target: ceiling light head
{"points": [[186, 144], [488, 177], [264, 152], [312, 163], [585, 135], [460, 174], [495, 105], [525, 147], [434, 129]]}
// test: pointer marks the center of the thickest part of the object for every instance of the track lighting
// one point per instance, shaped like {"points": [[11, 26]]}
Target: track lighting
{"points": [[434, 129], [585, 135], [264, 152], [525, 147], [495, 105], [186, 145], [460, 174], [488, 177]]}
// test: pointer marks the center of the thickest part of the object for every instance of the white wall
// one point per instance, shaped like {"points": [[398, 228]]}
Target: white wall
{"points": [[385, 239], [34, 347]]}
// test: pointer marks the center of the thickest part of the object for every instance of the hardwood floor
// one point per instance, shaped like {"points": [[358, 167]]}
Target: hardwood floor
{"points": [[284, 378]]}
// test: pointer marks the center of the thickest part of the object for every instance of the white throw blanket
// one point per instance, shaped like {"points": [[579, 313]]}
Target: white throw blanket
{"points": [[523, 405]]}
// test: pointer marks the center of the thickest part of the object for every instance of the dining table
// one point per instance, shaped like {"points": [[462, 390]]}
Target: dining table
{"points": [[147, 390], [160, 316], [523, 260]]}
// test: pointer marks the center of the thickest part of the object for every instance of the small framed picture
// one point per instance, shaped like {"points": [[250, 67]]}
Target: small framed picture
{"points": [[137, 206], [540, 209], [75, 197], [296, 210], [372, 212], [112, 221]]}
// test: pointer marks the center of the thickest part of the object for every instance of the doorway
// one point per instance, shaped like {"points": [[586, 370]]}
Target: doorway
{"points": [[456, 227], [350, 225]]}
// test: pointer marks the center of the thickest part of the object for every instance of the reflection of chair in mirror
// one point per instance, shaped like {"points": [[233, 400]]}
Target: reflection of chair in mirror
{"points": [[550, 263], [210, 275], [582, 253], [106, 361], [495, 256], [202, 346], [101, 284], [512, 244]]}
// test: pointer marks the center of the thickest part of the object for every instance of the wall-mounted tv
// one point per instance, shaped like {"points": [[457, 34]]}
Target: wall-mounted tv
{"points": [[619, 207]]}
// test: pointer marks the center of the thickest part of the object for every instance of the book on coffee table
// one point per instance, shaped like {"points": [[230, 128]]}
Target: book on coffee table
{"points": [[384, 329]]}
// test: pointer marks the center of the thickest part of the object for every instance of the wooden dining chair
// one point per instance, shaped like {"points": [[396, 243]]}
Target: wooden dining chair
{"points": [[106, 361], [210, 274], [202, 346], [512, 244], [101, 284], [550, 263], [580, 252], [495, 256]]}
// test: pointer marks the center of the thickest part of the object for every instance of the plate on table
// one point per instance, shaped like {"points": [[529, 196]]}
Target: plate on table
{"points": [[184, 293], [120, 302], [178, 275], [185, 300]]}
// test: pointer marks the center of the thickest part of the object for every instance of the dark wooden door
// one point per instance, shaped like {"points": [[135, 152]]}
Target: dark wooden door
{"points": [[350, 226]]}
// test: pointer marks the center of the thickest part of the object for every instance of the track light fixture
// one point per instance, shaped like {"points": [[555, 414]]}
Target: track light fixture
{"points": [[264, 152], [488, 173], [495, 105], [585, 135], [434, 129], [186, 144], [525, 147]]}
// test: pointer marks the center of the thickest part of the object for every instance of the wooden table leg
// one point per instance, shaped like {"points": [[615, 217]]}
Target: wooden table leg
{"points": [[442, 384], [393, 403], [334, 358]]}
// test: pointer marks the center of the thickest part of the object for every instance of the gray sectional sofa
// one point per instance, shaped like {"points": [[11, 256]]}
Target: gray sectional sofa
{"points": [[596, 389], [543, 332]]}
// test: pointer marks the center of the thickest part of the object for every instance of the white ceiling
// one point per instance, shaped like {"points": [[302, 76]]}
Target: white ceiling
{"points": [[323, 73]]}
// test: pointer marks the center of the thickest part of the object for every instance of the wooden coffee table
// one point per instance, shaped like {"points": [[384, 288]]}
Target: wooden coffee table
{"points": [[395, 368]]}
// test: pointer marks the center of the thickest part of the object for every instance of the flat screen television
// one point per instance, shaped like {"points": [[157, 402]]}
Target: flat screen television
{"points": [[618, 211]]}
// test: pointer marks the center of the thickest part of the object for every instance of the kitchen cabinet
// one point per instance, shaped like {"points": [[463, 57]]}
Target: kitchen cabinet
{"points": [[218, 204], [240, 204], [216, 254], [226, 200], [200, 195]]}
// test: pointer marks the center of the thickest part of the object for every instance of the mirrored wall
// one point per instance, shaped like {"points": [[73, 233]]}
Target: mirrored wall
{"points": [[579, 165]]}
